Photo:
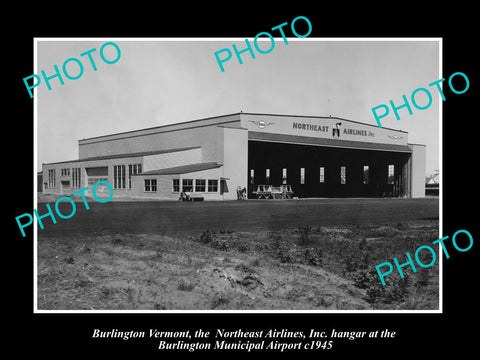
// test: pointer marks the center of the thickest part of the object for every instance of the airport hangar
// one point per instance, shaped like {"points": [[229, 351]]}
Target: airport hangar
{"points": [[213, 157]]}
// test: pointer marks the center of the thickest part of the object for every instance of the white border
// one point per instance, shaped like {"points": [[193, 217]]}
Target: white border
{"points": [[35, 229], [440, 181], [35, 180]]}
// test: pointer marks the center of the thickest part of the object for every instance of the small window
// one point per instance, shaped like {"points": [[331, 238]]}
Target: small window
{"points": [[302, 175], [343, 175], [176, 185], [187, 185], [365, 174], [213, 185], [150, 185], [391, 174], [322, 174], [284, 176], [65, 172], [200, 185]]}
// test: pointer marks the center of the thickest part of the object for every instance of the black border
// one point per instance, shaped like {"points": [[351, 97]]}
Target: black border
{"points": [[418, 334]]}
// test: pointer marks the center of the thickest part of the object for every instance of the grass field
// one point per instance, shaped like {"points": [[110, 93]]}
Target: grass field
{"points": [[306, 254], [170, 218]]}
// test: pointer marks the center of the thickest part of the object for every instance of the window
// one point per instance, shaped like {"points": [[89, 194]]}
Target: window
{"points": [[391, 174], [150, 185], [322, 174], [119, 176], [65, 172], [176, 185], [51, 178], [284, 176], [365, 174], [302, 175], [213, 185], [187, 185], [133, 170], [76, 177], [200, 185], [267, 176], [343, 175]]}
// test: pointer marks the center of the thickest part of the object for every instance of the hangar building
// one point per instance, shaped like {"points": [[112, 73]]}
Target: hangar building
{"points": [[213, 157]]}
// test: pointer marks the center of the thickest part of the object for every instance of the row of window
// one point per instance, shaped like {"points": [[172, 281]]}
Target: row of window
{"points": [[119, 175], [76, 176], [201, 185], [150, 185], [188, 185], [343, 175], [119, 178]]}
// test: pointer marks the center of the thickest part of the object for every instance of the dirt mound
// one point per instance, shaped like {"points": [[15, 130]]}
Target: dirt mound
{"points": [[158, 272], [300, 269]]}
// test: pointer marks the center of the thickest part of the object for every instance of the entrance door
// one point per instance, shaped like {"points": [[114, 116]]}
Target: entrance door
{"points": [[223, 186], [65, 187]]}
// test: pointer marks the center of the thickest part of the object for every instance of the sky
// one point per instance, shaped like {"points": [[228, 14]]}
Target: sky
{"points": [[172, 80]]}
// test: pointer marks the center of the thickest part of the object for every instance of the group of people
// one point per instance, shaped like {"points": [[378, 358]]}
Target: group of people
{"points": [[185, 196], [241, 193]]}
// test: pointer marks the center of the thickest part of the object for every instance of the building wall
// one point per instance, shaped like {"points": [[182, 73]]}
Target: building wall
{"points": [[194, 133], [417, 170], [172, 159], [110, 163], [235, 160], [150, 162], [165, 185], [224, 140]]}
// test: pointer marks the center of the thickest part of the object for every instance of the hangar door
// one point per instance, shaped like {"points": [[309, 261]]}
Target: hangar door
{"points": [[321, 171]]}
